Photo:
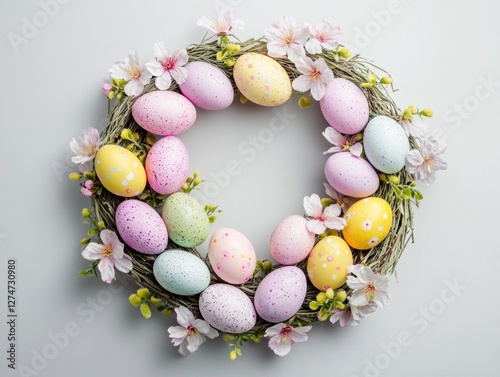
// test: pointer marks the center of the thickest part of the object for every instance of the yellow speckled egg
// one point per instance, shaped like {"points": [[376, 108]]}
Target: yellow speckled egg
{"points": [[368, 223], [120, 171], [328, 262], [262, 80]]}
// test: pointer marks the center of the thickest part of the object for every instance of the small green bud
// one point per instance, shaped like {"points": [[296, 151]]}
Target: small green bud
{"points": [[406, 193], [196, 174], [89, 175], [167, 311], [185, 187], [386, 80], [134, 299], [325, 202], [329, 293], [367, 85], [345, 53], [304, 102], [86, 212], [408, 113], [341, 296], [228, 337], [155, 300], [91, 232], [74, 176], [233, 47], [394, 179], [382, 177], [314, 305], [126, 134], [427, 112], [197, 181], [119, 97], [321, 297], [267, 265], [221, 55], [230, 62], [418, 195], [101, 225], [85, 241], [412, 108], [142, 292], [372, 78], [243, 99], [233, 355], [212, 219], [146, 312]]}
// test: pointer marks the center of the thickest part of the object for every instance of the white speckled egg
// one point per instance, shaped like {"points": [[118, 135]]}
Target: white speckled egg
{"points": [[181, 272], [167, 165], [186, 220], [291, 242], [141, 227], [350, 175], [227, 309], [231, 256], [344, 106], [262, 79], [385, 144], [207, 86], [120, 171], [164, 112], [280, 294]]}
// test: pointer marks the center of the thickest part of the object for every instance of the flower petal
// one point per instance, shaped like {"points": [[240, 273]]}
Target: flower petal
{"points": [[184, 316], [163, 81], [302, 83], [93, 251], [123, 264], [155, 68], [315, 226], [177, 332], [107, 270], [312, 206], [356, 149]]}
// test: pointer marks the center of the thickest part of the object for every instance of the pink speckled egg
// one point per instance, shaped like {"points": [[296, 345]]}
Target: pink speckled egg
{"points": [[167, 165], [344, 106], [141, 227], [291, 242], [227, 309], [350, 175], [280, 294], [164, 112], [207, 86], [231, 256]]}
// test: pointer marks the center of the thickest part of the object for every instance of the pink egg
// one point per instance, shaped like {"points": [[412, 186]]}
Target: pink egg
{"points": [[231, 256], [291, 242], [350, 175], [207, 86], [164, 112], [167, 165], [141, 227], [344, 106], [280, 294]]}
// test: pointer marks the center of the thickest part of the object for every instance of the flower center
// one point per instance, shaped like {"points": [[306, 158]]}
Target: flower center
{"points": [[135, 72], [315, 74], [108, 250], [167, 64], [370, 291], [285, 333], [192, 330]]}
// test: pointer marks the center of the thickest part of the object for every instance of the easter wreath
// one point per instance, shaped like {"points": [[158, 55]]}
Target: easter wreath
{"points": [[346, 243]]}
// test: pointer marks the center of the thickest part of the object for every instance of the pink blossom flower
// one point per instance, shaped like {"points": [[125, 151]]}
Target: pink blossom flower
{"points": [[191, 333], [342, 143], [423, 162], [87, 188], [344, 201], [285, 39], [132, 71], [284, 336], [110, 255], [315, 76], [85, 149], [322, 218], [107, 88], [367, 287], [344, 317], [226, 24], [166, 66], [415, 129], [323, 35]]}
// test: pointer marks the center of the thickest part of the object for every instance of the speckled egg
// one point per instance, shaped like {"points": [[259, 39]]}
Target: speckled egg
{"points": [[207, 86], [231, 256], [227, 309], [385, 144], [167, 165], [141, 227], [351, 175], [120, 171], [368, 222], [186, 220], [163, 112], [181, 272], [280, 294], [344, 106], [262, 79], [328, 262], [291, 242]]}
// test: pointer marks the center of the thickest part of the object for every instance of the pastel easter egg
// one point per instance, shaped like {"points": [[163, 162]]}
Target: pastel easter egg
{"points": [[231, 256], [280, 294], [344, 106], [328, 262], [164, 112], [262, 79], [291, 242], [351, 175], [368, 222], [186, 220], [181, 272], [167, 165], [385, 144], [207, 86], [141, 227], [227, 309], [120, 171]]}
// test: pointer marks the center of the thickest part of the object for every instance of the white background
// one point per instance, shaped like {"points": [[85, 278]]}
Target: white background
{"points": [[440, 56]]}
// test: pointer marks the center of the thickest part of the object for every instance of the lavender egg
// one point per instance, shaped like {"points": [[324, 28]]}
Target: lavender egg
{"points": [[207, 86], [164, 112], [141, 227], [167, 165], [227, 308], [351, 175], [344, 106], [291, 242], [280, 294]]}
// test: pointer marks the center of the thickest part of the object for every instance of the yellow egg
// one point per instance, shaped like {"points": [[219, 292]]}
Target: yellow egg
{"points": [[328, 262], [262, 80], [368, 223], [120, 171]]}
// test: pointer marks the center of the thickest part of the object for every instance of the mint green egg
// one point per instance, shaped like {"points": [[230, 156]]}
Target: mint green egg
{"points": [[186, 220]]}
